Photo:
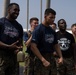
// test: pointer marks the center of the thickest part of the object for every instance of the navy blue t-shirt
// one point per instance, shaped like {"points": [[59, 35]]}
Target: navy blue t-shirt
{"points": [[45, 38], [10, 32]]}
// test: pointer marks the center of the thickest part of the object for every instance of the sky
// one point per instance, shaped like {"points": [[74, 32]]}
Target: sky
{"points": [[65, 9]]}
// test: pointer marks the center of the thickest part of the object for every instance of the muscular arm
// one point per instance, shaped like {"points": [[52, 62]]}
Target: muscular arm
{"points": [[27, 38], [10, 47], [57, 48], [3, 45], [27, 43], [36, 51], [38, 54]]}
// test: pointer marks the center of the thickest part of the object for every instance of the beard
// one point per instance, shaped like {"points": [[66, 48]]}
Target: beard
{"points": [[14, 16]]}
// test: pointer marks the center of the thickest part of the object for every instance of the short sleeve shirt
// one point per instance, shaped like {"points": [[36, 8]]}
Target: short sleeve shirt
{"points": [[45, 38], [10, 32], [65, 41]]}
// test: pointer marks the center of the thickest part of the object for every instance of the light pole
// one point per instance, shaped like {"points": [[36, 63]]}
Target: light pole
{"points": [[47, 3], [40, 11], [27, 13], [6, 3]]}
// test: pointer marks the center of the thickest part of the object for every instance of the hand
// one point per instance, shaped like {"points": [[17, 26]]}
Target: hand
{"points": [[55, 54], [60, 60], [16, 51], [45, 63], [14, 46]]}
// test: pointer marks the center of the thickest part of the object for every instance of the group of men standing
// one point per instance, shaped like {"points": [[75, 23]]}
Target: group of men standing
{"points": [[49, 52], [54, 52]]}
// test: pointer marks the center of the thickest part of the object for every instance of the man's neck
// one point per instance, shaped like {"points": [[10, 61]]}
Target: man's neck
{"points": [[62, 32], [10, 19], [74, 35], [45, 24]]}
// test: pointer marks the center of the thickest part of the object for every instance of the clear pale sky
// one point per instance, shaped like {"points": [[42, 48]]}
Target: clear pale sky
{"points": [[65, 9]]}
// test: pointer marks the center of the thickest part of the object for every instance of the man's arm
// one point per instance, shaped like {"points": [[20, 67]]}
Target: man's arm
{"points": [[27, 43], [57, 48], [27, 38], [10, 47], [38, 54], [3, 45]]}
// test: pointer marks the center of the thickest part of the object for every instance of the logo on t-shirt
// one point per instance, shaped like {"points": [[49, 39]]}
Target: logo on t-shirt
{"points": [[64, 44], [49, 38], [11, 31]]}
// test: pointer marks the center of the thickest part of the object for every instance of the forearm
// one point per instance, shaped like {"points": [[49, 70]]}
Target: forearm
{"points": [[27, 43], [57, 48], [12, 46], [3, 45], [36, 51]]}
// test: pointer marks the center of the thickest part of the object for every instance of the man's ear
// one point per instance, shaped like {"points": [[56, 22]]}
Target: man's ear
{"points": [[66, 25], [8, 10], [45, 16]]}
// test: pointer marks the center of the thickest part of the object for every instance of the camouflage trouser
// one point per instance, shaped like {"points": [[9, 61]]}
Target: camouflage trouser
{"points": [[67, 68], [29, 65], [39, 69], [8, 65]]}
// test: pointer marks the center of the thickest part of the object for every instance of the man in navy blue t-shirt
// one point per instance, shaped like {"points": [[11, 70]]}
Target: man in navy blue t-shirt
{"points": [[43, 42], [11, 35]]}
